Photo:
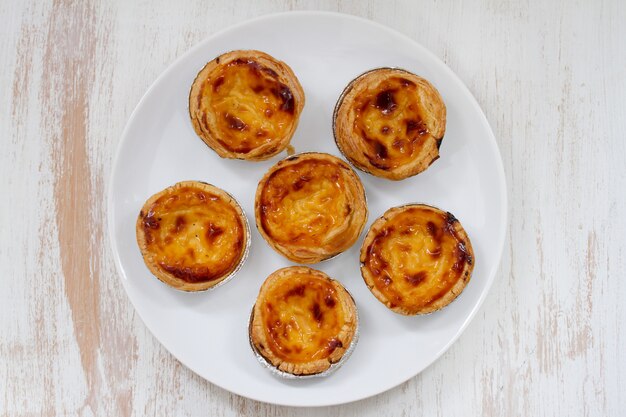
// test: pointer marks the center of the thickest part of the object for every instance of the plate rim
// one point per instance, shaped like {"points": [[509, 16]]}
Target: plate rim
{"points": [[491, 274]]}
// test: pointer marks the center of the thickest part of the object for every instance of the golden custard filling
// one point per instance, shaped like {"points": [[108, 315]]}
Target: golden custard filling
{"points": [[390, 121], [248, 105], [193, 234], [302, 318], [417, 257], [306, 204]]}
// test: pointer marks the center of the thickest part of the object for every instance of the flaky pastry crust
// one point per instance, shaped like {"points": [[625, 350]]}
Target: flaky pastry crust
{"points": [[390, 123]]}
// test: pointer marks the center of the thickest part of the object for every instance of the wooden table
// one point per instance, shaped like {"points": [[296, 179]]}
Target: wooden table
{"points": [[551, 336]]}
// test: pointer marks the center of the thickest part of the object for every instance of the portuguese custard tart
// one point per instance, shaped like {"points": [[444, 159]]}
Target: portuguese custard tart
{"points": [[246, 105], [303, 321], [390, 123], [416, 259], [192, 235], [310, 207]]}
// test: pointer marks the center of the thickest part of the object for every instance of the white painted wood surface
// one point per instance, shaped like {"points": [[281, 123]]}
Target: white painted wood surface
{"points": [[550, 338]]}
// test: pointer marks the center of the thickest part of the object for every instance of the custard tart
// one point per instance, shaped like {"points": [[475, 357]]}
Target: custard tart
{"points": [[246, 105], [310, 207], [416, 259], [303, 321], [192, 235], [390, 123]]}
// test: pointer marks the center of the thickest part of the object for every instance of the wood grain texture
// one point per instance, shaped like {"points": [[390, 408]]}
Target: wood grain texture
{"points": [[549, 340]]}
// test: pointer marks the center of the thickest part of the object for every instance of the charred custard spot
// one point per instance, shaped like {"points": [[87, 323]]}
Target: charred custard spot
{"points": [[257, 88], [380, 150], [317, 312], [150, 222], [449, 224], [416, 126], [300, 182], [385, 102], [234, 122], [284, 93], [462, 257], [192, 274], [333, 344], [329, 301], [385, 130], [296, 291], [253, 65], [179, 225], [218, 83], [435, 231], [212, 232], [416, 279]]}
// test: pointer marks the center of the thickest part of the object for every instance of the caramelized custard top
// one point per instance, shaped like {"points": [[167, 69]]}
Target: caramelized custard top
{"points": [[307, 203], [248, 104], [417, 257], [389, 119], [302, 318], [193, 234]]}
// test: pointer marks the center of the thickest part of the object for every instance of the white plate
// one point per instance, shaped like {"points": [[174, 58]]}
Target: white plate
{"points": [[207, 331]]}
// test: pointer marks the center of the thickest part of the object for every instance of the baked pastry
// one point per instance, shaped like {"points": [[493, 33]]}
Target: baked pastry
{"points": [[310, 207], [303, 321], [246, 105], [416, 259], [192, 235], [390, 123]]}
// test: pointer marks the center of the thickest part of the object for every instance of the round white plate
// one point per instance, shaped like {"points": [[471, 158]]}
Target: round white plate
{"points": [[208, 331]]}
